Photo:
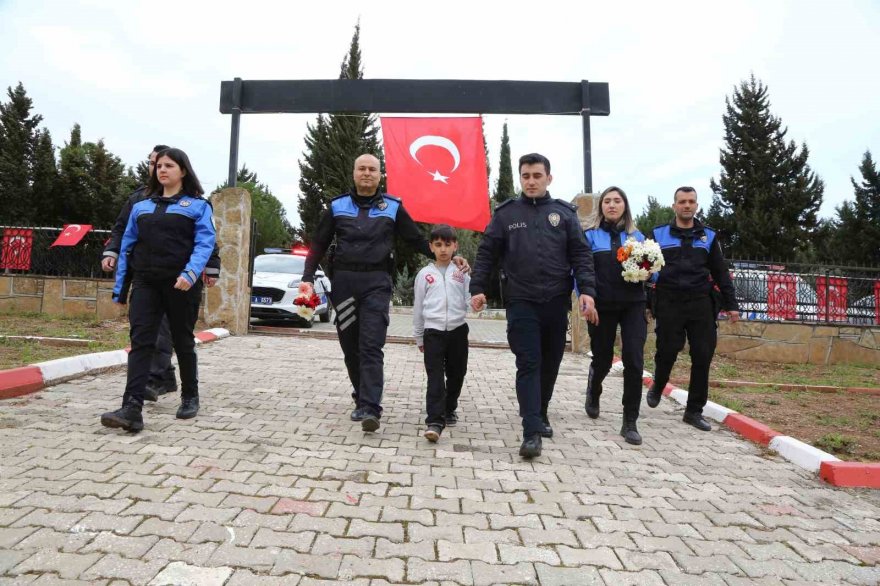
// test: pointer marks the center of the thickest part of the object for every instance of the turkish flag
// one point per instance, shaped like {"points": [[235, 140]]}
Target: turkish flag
{"points": [[71, 235], [17, 245], [437, 166]]}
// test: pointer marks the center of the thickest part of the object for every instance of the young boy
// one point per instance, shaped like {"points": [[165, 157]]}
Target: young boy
{"points": [[439, 309]]}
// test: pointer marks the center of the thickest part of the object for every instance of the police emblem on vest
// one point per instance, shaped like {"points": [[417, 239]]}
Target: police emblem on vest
{"points": [[185, 203], [553, 219], [382, 205]]}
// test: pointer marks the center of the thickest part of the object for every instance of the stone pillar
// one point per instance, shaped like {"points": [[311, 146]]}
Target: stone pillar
{"points": [[580, 339], [228, 304]]}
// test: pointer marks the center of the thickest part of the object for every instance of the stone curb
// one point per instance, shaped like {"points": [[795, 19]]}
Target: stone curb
{"points": [[830, 468], [16, 382]]}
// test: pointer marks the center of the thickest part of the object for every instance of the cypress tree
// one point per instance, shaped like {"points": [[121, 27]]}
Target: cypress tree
{"points": [[45, 181], [17, 142], [504, 187], [856, 235], [766, 201]]}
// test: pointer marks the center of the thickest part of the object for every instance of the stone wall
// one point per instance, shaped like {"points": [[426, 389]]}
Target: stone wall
{"points": [[228, 303], [58, 296], [580, 339]]}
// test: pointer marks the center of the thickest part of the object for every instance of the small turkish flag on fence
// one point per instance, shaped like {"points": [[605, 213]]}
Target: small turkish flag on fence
{"points": [[71, 235], [437, 166]]}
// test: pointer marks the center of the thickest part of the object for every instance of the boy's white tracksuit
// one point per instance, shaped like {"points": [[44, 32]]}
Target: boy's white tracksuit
{"points": [[441, 300]]}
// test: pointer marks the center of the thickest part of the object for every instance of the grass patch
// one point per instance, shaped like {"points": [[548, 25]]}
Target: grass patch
{"points": [[836, 443]]}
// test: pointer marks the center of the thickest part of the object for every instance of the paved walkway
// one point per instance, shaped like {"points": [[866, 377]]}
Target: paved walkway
{"points": [[272, 484]]}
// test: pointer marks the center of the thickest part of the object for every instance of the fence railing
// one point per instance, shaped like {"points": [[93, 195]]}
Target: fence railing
{"points": [[26, 250], [771, 291]]}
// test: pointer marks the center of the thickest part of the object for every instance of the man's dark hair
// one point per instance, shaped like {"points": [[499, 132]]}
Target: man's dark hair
{"points": [[190, 186], [534, 159], [159, 148], [443, 232], [683, 189]]}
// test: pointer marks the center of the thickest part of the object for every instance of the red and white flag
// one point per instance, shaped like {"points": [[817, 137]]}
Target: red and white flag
{"points": [[71, 235], [17, 245], [437, 166]]}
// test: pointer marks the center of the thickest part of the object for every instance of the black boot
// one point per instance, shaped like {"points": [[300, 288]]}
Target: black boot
{"points": [[696, 419], [189, 407], [629, 432], [594, 390], [654, 395], [128, 418], [370, 422], [358, 414], [548, 431], [531, 446]]}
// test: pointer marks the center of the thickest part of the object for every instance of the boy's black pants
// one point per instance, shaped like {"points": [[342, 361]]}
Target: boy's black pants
{"points": [[446, 355]]}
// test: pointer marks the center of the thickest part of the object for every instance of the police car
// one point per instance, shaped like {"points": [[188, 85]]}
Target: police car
{"points": [[277, 276]]}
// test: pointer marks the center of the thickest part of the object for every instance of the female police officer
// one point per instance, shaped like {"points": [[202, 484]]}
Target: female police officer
{"points": [[166, 245], [618, 302]]}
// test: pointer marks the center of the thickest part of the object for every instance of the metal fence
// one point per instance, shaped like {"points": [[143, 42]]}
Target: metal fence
{"points": [[771, 291], [29, 250]]}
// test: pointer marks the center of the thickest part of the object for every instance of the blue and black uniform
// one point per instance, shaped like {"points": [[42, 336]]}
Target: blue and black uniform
{"points": [[618, 303], [165, 238], [539, 245], [364, 228], [684, 305], [161, 369]]}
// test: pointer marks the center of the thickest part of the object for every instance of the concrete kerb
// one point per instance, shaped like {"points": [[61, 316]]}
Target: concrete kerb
{"points": [[16, 382], [831, 469]]}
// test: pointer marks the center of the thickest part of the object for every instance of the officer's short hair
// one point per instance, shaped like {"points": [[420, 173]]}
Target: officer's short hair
{"points": [[683, 189], [444, 232], [159, 148], [534, 159]]}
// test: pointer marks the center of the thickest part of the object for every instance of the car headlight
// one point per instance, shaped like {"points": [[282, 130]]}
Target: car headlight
{"points": [[294, 283]]}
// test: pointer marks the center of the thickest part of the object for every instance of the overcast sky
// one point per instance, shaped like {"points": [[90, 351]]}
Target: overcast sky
{"points": [[136, 73]]}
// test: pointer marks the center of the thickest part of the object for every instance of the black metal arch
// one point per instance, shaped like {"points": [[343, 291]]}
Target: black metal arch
{"points": [[422, 96]]}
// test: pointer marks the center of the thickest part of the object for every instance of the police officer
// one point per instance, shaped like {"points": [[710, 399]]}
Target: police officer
{"points": [[685, 304], [364, 223], [170, 237], [162, 378], [539, 243]]}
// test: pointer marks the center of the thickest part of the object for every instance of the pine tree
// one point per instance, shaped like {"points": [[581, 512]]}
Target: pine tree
{"points": [[75, 197], [856, 235], [109, 187], [273, 228], [44, 183], [653, 215], [504, 187], [766, 201], [17, 142]]}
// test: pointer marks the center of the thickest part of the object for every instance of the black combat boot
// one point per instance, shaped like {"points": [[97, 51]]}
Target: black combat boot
{"points": [[629, 432], [531, 446], [189, 407], [128, 418], [594, 390], [654, 395]]}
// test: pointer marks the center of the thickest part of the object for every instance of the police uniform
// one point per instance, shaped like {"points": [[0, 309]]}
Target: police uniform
{"points": [[165, 238], [161, 370], [364, 228], [539, 245], [684, 304], [618, 303]]}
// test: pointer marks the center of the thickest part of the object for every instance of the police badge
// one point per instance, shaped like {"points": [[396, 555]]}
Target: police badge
{"points": [[553, 219], [703, 238], [185, 203], [382, 205]]}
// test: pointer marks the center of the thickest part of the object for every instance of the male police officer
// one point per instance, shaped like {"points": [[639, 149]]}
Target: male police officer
{"points": [[540, 245], [364, 224], [684, 302], [162, 379]]}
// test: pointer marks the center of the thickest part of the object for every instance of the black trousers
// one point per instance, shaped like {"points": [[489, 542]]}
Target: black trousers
{"points": [[536, 334], [150, 302], [161, 370], [633, 332], [446, 356], [676, 318], [361, 301]]}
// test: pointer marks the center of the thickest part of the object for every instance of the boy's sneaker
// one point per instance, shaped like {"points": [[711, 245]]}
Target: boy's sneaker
{"points": [[370, 422], [451, 419], [432, 434]]}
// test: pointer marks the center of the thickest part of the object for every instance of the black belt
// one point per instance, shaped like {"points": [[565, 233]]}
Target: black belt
{"points": [[360, 267]]}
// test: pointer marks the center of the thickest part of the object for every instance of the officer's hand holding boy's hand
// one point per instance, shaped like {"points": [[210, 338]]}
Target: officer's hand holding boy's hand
{"points": [[422, 349], [183, 284], [306, 289], [588, 309], [733, 316], [108, 264], [478, 301], [461, 264]]}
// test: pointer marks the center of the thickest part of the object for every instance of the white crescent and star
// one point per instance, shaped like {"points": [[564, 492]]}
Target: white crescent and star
{"points": [[438, 141], [69, 231]]}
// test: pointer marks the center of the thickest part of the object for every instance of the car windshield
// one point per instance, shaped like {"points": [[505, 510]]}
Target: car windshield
{"points": [[280, 264]]}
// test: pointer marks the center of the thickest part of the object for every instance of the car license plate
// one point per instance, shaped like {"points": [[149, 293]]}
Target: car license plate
{"points": [[261, 300]]}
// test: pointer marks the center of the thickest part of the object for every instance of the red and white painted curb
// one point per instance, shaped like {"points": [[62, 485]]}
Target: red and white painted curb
{"points": [[830, 468], [28, 379]]}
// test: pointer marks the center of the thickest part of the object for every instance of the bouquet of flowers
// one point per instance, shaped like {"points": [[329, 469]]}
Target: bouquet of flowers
{"points": [[306, 305], [640, 260]]}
